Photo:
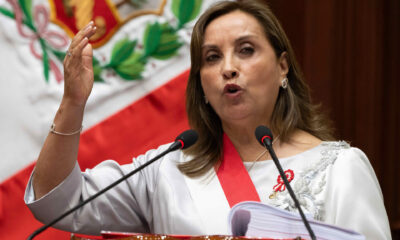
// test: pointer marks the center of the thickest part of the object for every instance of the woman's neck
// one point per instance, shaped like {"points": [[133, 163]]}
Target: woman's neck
{"points": [[244, 140], [246, 144]]}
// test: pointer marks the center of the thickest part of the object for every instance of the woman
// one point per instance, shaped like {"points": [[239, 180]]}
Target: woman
{"points": [[243, 74]]}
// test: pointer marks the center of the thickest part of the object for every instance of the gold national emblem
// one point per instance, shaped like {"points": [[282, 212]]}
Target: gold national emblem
{"points": [[108, 15]]}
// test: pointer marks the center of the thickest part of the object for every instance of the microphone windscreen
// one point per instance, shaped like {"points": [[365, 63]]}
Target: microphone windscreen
{"points": [[188, 137], [261, 132]]}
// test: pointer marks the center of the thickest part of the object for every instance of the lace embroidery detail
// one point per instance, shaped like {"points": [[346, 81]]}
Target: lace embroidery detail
{"points": [[310, 182]]}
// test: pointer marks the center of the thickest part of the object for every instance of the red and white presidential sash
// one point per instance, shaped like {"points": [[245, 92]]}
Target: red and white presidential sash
{"points": [[233, 176]]}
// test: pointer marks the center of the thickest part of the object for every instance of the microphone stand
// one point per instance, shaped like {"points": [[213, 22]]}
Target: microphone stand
{"points": [[176, 145], [267, 143]]}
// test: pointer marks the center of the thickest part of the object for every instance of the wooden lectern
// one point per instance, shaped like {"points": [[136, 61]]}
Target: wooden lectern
{"points": [[162, 237], [167, 237]]}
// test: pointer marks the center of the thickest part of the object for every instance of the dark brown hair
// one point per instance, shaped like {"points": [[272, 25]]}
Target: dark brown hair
{"points": [[293, 109]]}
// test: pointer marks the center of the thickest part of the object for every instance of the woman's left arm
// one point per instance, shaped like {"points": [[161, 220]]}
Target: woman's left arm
{"points": [[354, 199]]}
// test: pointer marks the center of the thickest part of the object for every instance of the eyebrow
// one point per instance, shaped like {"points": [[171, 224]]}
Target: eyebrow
{"points": [[245, 37]]}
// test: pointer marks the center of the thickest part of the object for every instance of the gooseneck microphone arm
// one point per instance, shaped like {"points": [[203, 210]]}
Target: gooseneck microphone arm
{"points": [[264, 136], [184, 140]]}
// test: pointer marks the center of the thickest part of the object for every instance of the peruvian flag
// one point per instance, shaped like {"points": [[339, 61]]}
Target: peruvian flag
{"points": [[137, 102]]}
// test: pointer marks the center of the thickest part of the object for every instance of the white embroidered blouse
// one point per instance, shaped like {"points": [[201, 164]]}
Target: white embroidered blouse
{"points": [[334, 183]]}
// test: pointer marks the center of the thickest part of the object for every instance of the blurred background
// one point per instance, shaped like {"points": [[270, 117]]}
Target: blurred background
{"points": [[350, 55]]}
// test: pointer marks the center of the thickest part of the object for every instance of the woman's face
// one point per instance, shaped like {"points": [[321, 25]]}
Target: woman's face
{"points": [[240, 72]]}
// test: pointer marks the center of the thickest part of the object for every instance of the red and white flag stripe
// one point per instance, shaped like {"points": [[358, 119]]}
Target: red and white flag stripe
{"points": [[122, 119]]}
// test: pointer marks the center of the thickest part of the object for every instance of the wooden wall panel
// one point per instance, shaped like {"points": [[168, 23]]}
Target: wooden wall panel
{"points": [[349, 51], [391, 108]]}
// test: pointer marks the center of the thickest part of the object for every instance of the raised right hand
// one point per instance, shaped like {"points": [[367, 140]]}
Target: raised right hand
{"points": [[78, 68], [59, 152]]}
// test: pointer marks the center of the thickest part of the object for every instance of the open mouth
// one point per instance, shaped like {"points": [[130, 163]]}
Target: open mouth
{"points": [[232, 88]]}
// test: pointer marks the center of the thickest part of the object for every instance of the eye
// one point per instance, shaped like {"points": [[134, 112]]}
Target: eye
{"points": [[212, 57], [247, 50]]}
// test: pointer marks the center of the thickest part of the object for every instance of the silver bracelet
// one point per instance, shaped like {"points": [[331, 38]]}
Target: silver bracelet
{"points": [[53, 130]]}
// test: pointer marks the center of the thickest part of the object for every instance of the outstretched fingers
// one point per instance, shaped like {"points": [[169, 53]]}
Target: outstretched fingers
{"points": [[88, 33], [74, 54], [82, 34], [79, 41]]}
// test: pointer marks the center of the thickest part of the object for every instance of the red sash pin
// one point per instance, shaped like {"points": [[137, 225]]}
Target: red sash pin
{"points": [[281, 185]]}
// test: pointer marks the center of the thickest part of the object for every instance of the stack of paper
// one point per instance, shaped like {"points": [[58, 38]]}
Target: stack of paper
{"points": [[254, 219]]}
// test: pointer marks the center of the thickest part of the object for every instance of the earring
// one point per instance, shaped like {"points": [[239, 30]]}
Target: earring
{"points": [[205, 99], [284, 84]]}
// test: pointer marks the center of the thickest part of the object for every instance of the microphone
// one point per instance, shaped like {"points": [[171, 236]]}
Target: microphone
{"points": [[183, 141], [264, 137]]}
